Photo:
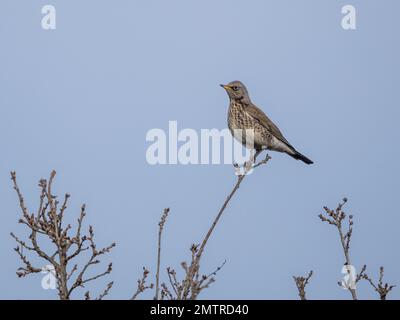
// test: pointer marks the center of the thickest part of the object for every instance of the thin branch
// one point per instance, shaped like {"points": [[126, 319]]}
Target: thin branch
{"points": [[106, 291], [160, 230], [192, 272], [301, 283], [165, 293], [48, 222], [336, 218], [141, 284], [173, 281], [79, 282], [381, 288]]}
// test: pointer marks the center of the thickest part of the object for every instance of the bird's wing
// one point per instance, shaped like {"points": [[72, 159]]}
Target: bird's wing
{"points": [[266, 122]]}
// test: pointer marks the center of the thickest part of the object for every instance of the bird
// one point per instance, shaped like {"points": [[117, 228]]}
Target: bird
{"points": [[251, 126]]}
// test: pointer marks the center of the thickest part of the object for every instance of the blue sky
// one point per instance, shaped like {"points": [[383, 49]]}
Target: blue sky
{"points": [[80, 99]]}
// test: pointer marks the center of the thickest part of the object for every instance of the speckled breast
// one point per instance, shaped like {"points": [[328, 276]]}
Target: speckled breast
{"points": [[238, 118]]}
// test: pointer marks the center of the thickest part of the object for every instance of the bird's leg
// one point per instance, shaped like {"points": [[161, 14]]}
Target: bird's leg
{"points": [[243, 169], [248, 165], [251, 163], [238, 172]]}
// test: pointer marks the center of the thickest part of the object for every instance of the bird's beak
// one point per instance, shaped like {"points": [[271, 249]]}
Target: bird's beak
{"points": [[226, 87]]}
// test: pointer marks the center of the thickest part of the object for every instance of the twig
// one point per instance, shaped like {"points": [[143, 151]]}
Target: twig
{"points": [[48, 222], [336, 218], [141, 284], [160, 230], [301, 283], [381, 288], [193, 270], [106, 291]]}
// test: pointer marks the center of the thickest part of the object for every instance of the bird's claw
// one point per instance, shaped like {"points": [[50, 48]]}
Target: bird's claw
{"points": [[245, 169]]}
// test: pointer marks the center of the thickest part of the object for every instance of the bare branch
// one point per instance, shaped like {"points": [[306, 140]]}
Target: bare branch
{"points": [[381, 288], [336, 218], [192, 272], [48, 222], [106, 291], [141, 284], [301, 283], [160, 230]]}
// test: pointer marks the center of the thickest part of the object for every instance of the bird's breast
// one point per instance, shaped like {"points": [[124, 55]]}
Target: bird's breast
{"points": [[237, 117], [244, 128]]}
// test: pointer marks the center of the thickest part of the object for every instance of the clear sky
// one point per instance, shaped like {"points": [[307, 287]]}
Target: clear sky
{"points": [[80, 99]]}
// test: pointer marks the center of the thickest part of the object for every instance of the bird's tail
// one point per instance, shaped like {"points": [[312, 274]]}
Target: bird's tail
{"points": [[298, 156]]}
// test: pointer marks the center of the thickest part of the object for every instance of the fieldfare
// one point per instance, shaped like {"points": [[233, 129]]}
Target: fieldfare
{"points": [[252, 127]]}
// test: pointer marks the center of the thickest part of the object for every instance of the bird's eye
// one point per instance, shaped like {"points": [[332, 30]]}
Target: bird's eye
{"points": [[235, 88]]}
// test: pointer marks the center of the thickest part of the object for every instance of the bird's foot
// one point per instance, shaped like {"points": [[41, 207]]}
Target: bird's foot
{"points": [[244, 169], [250, 165], [238, 170]]}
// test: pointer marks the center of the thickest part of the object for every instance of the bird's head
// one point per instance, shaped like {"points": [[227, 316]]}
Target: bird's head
{"points": [[236, 91]]}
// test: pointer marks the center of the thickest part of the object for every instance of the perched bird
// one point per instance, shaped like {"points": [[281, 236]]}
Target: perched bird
{"points": [[243, 114]]}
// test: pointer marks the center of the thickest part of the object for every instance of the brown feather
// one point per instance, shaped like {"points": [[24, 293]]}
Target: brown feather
{"points": [[266, 122]]}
